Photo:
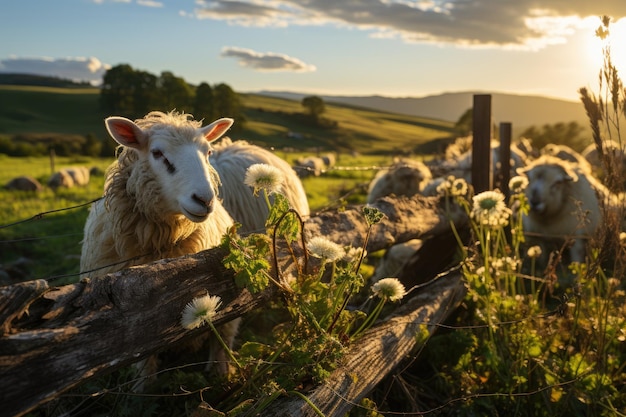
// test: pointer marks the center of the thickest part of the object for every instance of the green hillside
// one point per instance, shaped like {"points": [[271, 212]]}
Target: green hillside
{"points": [[26, 109]]}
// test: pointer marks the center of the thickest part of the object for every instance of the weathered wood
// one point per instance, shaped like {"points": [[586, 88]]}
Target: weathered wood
{"points": [[481, 143], [504, 173], [378, 352], [57, 338]]}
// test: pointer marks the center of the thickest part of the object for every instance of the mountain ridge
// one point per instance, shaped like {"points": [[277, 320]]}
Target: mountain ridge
{"points": [[520, 110]]}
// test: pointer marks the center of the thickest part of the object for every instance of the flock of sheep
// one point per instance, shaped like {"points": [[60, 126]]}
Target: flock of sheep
{"points": [[161, 194], [64, 178], [566, 192]]}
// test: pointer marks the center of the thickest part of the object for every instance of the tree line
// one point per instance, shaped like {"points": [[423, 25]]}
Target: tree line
{"points": [[134, 93]]}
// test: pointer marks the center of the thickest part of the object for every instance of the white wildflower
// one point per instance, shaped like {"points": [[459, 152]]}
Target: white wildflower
{"points": [[200, 310], [264, 177], [321, 247], [353, 254], [458, 187], [490, 210], [518, 184], [389, 288]]}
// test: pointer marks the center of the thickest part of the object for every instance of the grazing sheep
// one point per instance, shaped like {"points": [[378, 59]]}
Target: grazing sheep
{"points": [[309, 166], [565, 202], [160, 198], [69, 177], [392, 263], [458, 159], [404, 177], [24, 183], [61, 179], [232, 160]]}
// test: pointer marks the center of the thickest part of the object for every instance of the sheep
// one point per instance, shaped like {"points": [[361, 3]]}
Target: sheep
{"points": [[404, 177], [392, 263], [566, 153], [60, 179], [24, 183], [159, 198], [458, 159], [309, 166], [565, 201], [231, 159], [616, 158], [69, 177]]}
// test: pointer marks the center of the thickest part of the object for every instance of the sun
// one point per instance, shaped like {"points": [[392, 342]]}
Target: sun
{"points": [[615, 42]]}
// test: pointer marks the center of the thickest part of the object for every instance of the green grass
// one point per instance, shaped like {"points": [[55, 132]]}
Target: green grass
{"points": [[269, 119]]}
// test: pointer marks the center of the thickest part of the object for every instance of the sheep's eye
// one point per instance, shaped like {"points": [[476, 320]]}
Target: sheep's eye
{"points": [[156, 154]]}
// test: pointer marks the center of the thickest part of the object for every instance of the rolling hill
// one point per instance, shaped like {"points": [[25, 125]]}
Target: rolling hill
{"points": [[521, 110]]}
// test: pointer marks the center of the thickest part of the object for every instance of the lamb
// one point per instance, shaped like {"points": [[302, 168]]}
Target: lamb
{"points": [[231, 160], [151, 208], [404, 177], [565, 201]]}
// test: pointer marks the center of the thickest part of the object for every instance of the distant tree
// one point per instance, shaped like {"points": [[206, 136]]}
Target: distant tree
{"points": [[314, 106], [127, 92], [227, 104], [559, 133], [203, 103], [174, 93]]}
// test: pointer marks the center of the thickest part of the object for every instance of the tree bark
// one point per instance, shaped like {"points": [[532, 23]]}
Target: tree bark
{"points": [[378, 352], [56, 338]]}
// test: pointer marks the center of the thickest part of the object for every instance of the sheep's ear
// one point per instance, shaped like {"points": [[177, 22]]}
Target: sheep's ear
{"points": [[126, 132], [216, 129]]}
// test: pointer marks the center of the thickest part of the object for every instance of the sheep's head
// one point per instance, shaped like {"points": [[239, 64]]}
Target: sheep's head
{"points": [[548, 184], [176, 151]]}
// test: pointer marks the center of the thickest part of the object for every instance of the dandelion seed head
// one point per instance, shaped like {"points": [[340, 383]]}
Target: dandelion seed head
{"points": [[389, 288], [490, 210], [200, 310], [264, 177], [518, 184], [353, 254], [321, 247]]}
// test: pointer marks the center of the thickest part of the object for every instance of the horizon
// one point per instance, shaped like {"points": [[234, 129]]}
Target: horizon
{"points": [[387, 48]]}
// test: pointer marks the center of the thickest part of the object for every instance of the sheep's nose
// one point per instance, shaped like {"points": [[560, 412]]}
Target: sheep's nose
{"points": [[208, 203]]}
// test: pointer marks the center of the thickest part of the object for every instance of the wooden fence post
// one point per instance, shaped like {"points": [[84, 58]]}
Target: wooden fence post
{"points": [[504, 173], [481, 143]]}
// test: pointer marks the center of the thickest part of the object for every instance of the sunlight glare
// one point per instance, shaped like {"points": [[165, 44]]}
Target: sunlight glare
{"points": [[615, 41]]}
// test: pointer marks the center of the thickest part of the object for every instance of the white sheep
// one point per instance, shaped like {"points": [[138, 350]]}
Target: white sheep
{"points": [[69, 177], [404, 177], [565, 202], [309, 166], [615, 155], [160, 198], [232, 159], [566, 153]]}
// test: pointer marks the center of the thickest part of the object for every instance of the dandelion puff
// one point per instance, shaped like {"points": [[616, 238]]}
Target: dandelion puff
{"points": [[489, 209], [445, 186], [389, 288], [200, 310], [458, 187], [518, 184], [264, 177], [321, 247]]}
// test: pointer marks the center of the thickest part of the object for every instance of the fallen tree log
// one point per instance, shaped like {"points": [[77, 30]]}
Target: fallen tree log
{"points": [[378, 352], [56, 338]]}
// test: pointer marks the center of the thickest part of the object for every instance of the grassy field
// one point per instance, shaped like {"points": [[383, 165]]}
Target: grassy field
{"points": [[269, 119], [51, 242]]}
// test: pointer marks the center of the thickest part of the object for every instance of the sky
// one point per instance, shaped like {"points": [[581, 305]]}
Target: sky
{"points": [[394, 48]]}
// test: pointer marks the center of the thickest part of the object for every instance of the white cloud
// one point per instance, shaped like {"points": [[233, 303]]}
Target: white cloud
{"points": [[268, 61], [77, 69], [529, 24]]}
